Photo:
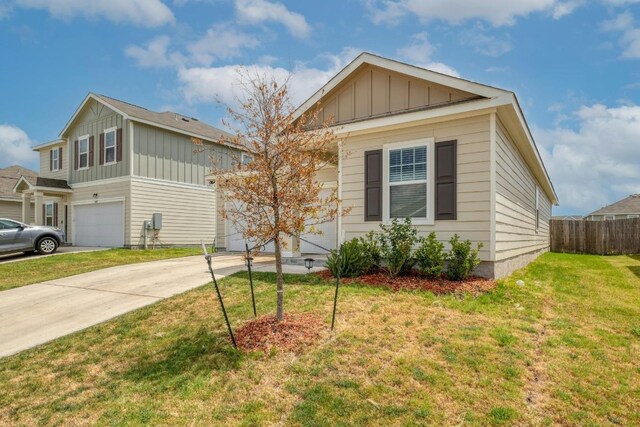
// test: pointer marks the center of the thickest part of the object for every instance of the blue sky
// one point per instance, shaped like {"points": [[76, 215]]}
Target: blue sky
{"points": [[574, 64]]}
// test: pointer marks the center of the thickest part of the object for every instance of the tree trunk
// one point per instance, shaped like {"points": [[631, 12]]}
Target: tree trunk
{"points": [[279, 279]]}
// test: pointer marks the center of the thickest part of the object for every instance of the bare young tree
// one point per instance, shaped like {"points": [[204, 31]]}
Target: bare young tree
{"points": [[276, 194]]}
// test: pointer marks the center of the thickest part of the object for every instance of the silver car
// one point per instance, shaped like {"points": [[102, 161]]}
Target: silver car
{"points": [[18, 237]]}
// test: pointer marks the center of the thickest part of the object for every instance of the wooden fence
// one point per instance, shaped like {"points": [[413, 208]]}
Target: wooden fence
{"points": [[616, 237]]}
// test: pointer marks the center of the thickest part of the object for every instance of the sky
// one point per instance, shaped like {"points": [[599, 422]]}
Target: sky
{"points": [[574, 65]]}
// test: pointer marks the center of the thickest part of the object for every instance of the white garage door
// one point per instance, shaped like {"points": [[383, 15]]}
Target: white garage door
{"points": [[237, 243], [99, 224]]}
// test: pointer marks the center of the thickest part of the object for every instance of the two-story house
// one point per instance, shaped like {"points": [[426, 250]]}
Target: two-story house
{"points": [[115, 164]]}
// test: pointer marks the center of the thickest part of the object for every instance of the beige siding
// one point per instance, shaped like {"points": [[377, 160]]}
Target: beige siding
{"points": [[45, 171], [374, 91], [474, 189], [13, 210], [516, 232], [105, 191], [163, 154], [188, 212], [93, 120]]}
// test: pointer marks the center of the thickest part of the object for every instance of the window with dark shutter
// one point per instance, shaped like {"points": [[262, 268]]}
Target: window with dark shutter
{"points": [[373, 185], [445, 180]]}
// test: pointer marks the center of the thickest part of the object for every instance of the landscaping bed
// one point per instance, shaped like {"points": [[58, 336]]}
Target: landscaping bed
{"points": [[295, 333], [473, 285]]}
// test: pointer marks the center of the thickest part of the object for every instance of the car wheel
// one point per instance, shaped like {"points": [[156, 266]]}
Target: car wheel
{"points": [[47, 245]]}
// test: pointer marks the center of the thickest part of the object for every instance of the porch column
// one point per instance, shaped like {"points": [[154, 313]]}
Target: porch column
{"points": [[26, 208], [39, 199]]}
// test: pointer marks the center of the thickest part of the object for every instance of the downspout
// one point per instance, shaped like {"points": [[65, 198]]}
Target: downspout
{"points": [[340, 228]]}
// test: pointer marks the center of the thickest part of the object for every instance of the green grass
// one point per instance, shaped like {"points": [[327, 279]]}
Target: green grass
{"points": [[16, 274], [561, 350]]}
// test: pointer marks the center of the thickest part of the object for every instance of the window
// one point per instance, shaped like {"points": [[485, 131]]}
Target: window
{"points": [[537, 208], [609, 217], [83, 152], [246, 159], [633, 216], [48, 214], [55, 159], [6, 224], [110, 146], [409, 181]]}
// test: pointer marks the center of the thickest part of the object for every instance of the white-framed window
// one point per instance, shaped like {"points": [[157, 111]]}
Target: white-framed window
{"points": [[408, 180], [83, 152], [633, 216], [246, 158], [110, 146], [48, 214], [55, 159], [537, 207], [609, 217]]}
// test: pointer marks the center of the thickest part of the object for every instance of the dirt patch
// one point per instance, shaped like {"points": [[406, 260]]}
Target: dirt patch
{"points": [[440, 286], [295, 333]]}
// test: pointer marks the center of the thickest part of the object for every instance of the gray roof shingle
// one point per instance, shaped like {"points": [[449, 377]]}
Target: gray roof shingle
{"points": [[9, 177], [629, 205]]}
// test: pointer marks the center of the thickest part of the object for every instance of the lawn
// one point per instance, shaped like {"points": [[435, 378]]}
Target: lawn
{"points": [[16, 274], [561, 350]]}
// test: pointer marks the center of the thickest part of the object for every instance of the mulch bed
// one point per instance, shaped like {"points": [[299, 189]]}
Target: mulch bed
{"points": [[293, 334], [440, 286]]}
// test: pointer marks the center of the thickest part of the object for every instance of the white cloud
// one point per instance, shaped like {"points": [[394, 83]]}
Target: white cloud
{"points": [[484, 43], [630, 39], [155, 54], [146, 13], [222, 41], [257, 11], [442, 68], [15, 147], [419, 53], [597, 162]]}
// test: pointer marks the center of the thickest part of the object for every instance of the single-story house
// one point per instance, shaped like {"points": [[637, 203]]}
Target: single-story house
{"points": [[10, 202], [454, 155], [629, 207], [115, 164]]}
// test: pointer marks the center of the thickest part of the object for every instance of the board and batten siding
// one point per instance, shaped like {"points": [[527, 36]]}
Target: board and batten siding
{"points": [[163, 154], [94, 118], [45, 162], [516, 232], [188, 212], [473, 178], [105, 192]]}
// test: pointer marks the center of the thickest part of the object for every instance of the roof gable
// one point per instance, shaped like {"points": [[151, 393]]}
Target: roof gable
{"points": [[10, 176]]}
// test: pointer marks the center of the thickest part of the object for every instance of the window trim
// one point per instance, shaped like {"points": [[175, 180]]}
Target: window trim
{"points": [[46, 215], [630, 216], [608, 217], [244, 156], [115, 146], [430, 181], [80, 152], [55, 159]]}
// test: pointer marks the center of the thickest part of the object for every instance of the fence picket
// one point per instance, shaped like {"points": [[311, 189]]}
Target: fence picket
{"points": [[620, 236]]}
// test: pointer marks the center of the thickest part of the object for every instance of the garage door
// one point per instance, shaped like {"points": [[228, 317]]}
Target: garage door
{"points": [[99, 224]]}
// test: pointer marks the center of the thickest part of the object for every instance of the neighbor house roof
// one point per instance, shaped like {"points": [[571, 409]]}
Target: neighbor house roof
{"points": [[9, 177], [166, 120], [629, 205], [488, 97]]}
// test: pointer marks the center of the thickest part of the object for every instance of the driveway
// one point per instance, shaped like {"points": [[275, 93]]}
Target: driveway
{"points": [[38, 313]]}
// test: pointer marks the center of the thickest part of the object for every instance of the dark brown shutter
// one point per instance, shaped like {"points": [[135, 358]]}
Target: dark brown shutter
{"points": [[75, 154], [373, 185], [44, 214], [51, 160], [60, 158], [102, 148], [55, 214], [91, 151], [119, 145], [446, 199]]}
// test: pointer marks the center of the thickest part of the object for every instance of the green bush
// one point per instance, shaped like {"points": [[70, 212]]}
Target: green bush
{"points": [[430, 256], [371, 246], [354, 261], [396, 246], [462, 259]]}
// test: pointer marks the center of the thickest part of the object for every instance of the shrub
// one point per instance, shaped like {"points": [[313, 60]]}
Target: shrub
{"points": [[396, 246], [371, 246], [353, 262], [462, 259], [429, 256]]}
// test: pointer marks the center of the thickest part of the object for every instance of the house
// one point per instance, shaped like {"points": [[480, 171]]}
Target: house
{"points": [[115, 164], [628, 207], [453, 155], [568, 217], [10, 202]]}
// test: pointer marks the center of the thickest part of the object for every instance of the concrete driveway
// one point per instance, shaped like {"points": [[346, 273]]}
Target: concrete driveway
{"points": [[38, 313]]}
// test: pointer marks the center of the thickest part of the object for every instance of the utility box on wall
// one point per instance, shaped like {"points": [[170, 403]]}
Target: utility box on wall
{"points": [[156, 221]]}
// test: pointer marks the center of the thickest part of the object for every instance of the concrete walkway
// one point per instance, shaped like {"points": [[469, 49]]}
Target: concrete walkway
{"points": [[34, 314]]}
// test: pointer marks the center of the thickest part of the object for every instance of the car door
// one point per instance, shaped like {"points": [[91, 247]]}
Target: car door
{"points": [[12, 235]]}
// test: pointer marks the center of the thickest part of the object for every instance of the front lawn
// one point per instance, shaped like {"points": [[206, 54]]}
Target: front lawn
{"points": [[562, 349], [16, 274]]}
